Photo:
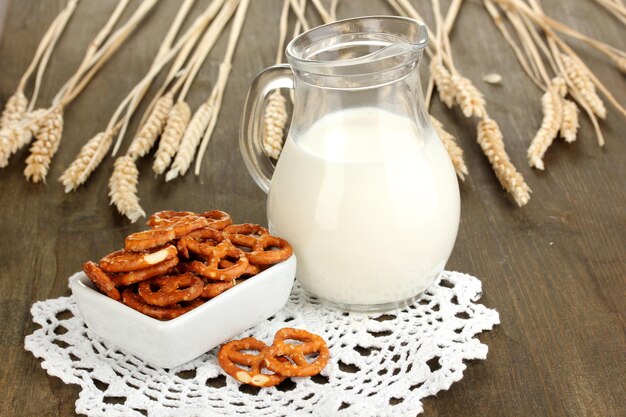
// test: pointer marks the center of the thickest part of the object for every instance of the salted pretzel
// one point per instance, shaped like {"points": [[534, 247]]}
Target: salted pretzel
{"points": [[214, 288], [125, 261], [148, 239], [217, 219], [201, 242], [171, 289], [133, 277], [160, 217], [269, 250], [133, 300], [231, 358], [101, 280], [250, 271], [245, 234], [296, 353], [211, 268]]}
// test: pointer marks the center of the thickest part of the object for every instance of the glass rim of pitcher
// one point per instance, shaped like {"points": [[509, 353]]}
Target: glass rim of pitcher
{"points": [[406, 39]]}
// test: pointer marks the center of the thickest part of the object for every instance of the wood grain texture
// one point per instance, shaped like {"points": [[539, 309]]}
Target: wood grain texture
{"points": [[555, 270]]}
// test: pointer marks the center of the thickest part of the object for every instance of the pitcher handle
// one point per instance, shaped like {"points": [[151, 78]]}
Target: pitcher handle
{"points": [[251, 134]]}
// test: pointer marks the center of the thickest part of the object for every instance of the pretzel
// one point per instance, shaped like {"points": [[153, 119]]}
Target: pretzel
{"points": [[299, 366], [125, 261], [158, 218], [101, 280], [211, 269], [250, 271], [134, 301], [171, 289], [217, 219], [245, 234], [132, 277], [201, 241], [148, 239], [213, 289], [260, 254], [230, 356]]}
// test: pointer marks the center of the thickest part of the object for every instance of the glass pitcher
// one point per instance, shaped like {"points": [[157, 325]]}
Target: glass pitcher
{"points": [[363, 189]]}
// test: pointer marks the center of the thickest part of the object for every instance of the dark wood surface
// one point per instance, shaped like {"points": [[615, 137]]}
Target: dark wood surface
{"points": [[555, 270]]}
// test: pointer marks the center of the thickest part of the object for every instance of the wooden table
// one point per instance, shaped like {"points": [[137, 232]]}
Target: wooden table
{"points": [[554, 270]]}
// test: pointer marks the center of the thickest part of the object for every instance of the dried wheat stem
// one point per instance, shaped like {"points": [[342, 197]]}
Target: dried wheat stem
{"points": [[177, 122], [150, 131], [324, 15], [454, 150], [274, 122], [443, 80], [47, 141], [189, 143], [87, 160], [579, 75], [123, 188], [569, 123], [298, 10], [616, 8], [492, 144], [14, 110], [333, 10], [552, 108], [468, 97], [222, 79]]}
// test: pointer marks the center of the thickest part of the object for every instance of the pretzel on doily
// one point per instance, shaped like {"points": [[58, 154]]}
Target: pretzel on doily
{"points": [[217, 219], [269, 250], [211, 268], [231, 359], [201, 242], [245, 234], [296, 353], [171, 289], [101, 280], [134, 301], [133, 277], [125, 261]]}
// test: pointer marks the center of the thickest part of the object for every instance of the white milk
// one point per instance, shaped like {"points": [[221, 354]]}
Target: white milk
{"points": [[370, 205]]}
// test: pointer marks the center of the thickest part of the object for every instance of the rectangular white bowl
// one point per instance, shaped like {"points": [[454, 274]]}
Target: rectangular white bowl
{"points": [[168, 344]]}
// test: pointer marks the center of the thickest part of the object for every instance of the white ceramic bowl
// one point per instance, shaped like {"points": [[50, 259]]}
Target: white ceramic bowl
{"points": [[171, 343]]}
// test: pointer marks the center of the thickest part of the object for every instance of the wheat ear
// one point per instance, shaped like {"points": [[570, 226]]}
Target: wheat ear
{"points": [[47, 141], [274, 122], [492, 144], [123, 188], [152, 128], [569, 122], [443, 80], [579, 76], [454, 150], [14, 110], [468, 97], [18, 135], [189, 143], [552, 108], [177, 122], [87, 160]]}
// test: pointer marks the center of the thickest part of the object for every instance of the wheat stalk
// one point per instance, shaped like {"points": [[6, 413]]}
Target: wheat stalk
{"points": [[579, 76], [87, 160], [152, 128], [177, 122], [569, 122], [552, 108], [18, 135], [492, 144], [123, 188], [443, 80], [47, 141], [14, 110], [189, 143], [274, 121], [468, 97], [454, 150]]}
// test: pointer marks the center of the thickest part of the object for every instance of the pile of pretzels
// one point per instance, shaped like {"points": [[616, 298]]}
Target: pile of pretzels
{"points": [[183, 260]]}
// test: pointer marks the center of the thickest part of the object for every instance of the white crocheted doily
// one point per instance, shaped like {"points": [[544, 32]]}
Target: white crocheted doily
{"points": [[381, 364]]}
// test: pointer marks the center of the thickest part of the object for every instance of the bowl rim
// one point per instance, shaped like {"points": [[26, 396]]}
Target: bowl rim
{"points": [[79, 282]]}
